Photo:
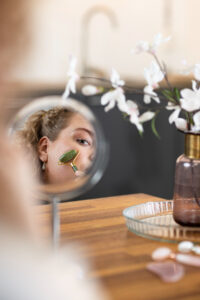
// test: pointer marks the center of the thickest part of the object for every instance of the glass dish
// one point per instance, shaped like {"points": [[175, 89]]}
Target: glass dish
{"points": [[154, 220]]}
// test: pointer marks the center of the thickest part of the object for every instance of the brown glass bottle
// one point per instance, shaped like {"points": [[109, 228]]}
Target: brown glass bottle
{"points": [[187, 183]]}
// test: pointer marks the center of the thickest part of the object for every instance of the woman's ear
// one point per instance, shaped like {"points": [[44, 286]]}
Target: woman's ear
{"points": [[43, 148]]}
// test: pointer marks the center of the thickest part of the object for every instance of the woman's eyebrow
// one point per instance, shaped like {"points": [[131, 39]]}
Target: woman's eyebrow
{"points": [[86, 130]]}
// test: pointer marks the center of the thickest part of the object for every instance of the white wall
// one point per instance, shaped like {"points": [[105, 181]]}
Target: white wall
{"points": [[56, 30]]}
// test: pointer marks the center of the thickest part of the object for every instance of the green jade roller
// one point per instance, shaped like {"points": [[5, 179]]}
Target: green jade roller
{"points": [[69, 158]]}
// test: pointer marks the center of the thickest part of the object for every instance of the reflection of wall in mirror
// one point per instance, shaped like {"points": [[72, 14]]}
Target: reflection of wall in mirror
{"points": [[57, 25]]}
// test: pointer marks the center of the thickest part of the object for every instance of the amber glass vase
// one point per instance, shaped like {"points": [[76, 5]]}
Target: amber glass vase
{"points": [[187, 183]]}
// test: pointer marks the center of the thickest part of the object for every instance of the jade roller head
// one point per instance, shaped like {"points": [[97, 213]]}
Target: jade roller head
{"points": [[69, 158]]}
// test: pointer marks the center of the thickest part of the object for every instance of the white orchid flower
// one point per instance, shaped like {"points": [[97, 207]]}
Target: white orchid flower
{"points": [[181, 124], [157, 41], [135, 119], [144, 46], [70, 87], [90, 90], [190, 100], [132, 108], [174, 116], [114, 97], [141, 46], [195, 69], [146, 116], [150, 94], [194, 86], [115, 79], [196, 119], [73, 77], [197, 72], [153, 75], [133, 112], [72, 65]]}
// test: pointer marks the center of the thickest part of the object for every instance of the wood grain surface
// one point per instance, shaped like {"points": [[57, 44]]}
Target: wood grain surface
{"points": [[118, 257]]}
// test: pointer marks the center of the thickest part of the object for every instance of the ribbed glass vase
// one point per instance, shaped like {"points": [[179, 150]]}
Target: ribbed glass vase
{"points": [[187, 183]]}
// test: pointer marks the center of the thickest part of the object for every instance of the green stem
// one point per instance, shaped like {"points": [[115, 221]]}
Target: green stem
{"points": [[137, 91], [187, 115], [163, 70]]}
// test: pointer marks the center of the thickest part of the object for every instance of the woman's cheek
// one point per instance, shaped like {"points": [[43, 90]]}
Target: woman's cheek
{"points": [[83, 161]]}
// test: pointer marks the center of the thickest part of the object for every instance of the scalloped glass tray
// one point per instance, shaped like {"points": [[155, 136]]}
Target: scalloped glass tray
{"points": [[154, 220]]}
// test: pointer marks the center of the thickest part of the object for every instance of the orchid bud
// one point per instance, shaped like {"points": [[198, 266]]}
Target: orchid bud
{"points": [[89, 90], [181, 124]]}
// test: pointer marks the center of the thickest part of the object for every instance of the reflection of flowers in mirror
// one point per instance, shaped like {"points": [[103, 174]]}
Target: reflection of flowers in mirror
{"points": [[185, 102]]}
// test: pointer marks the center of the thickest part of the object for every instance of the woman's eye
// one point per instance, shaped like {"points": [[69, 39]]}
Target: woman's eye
{"points": [[82, 142]]}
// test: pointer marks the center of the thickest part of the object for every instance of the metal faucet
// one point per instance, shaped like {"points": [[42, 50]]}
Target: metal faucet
{"points": [[85, 35]]}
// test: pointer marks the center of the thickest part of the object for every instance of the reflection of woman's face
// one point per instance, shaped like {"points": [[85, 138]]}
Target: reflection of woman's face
{"points": [[79, 136]]}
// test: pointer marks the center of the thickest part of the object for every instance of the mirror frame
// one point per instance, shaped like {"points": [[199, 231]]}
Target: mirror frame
{"points": [[65, 192]]}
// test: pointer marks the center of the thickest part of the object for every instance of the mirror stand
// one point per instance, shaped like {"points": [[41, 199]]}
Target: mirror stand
{"points": [[55, 222]]}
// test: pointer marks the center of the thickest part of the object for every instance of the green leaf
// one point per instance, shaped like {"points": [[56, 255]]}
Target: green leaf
{"points": [[101, 89], [177, 94], [153, 127], [125, 115], [191, 118], [168, 92], [141, 133], [169, 95]]}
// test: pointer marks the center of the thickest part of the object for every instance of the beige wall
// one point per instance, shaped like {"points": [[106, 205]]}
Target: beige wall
{"points": [[57, 26]]}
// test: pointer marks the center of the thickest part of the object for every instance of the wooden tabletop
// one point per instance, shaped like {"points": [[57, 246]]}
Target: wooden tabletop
{"points": [[117, 256]]}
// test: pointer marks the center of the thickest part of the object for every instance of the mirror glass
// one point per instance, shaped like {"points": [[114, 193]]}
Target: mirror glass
{"points": [[64, 142]]}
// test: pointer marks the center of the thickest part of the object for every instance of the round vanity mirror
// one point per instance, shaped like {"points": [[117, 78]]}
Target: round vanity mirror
{"points": [[65, 144]]}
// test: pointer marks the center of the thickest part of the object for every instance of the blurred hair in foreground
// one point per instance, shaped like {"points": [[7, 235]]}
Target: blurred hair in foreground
{"points": [[28, 270]]}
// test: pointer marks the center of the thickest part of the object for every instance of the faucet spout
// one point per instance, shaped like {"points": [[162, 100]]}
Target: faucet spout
{"points": [[99, 9]]}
